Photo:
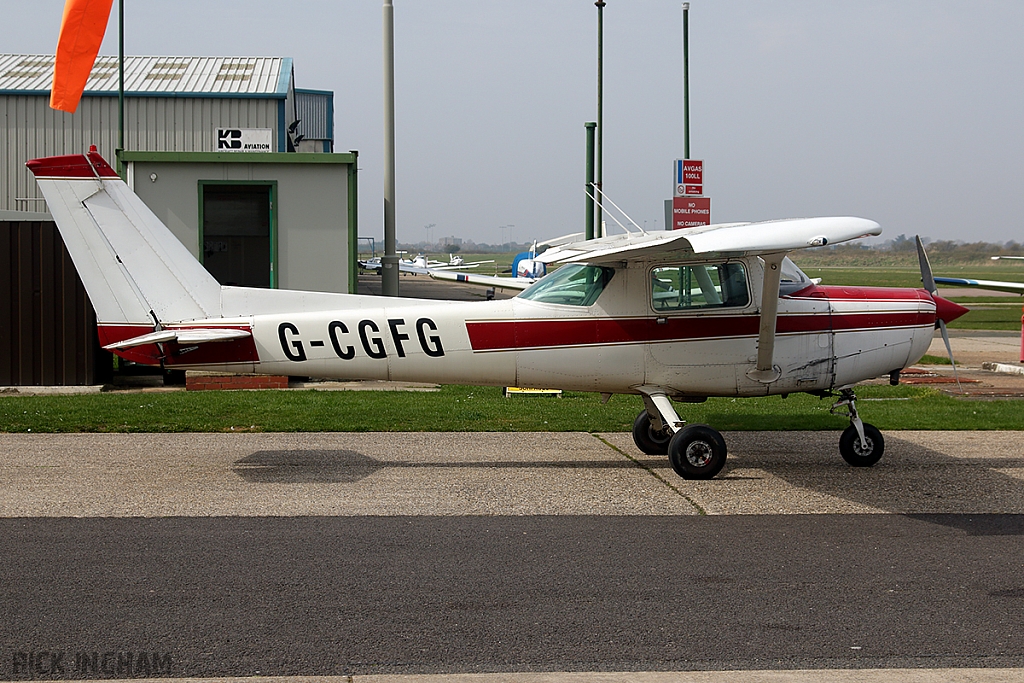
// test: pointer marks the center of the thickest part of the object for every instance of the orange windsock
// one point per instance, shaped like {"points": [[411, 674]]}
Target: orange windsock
{"points": [[81, 32]]}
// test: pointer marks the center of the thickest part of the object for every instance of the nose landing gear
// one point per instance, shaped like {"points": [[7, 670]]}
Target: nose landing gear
{"points": [[861, 444]]}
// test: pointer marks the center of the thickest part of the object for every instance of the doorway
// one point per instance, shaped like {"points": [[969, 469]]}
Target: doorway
{"points": [[236, 223]]}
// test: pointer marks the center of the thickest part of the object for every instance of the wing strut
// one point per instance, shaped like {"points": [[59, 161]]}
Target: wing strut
{"points": [[766, 371]]}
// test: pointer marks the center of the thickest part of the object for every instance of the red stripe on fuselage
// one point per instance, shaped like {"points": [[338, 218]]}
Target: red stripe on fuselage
{"points": [[533, 334]]}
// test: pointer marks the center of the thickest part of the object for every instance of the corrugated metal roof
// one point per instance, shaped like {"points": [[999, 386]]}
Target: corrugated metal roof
{"points": [[244, 76]]}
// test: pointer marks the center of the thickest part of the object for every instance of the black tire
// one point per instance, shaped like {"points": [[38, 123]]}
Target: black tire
{"points": [[855, 454], [697, 452], [647, 439]]}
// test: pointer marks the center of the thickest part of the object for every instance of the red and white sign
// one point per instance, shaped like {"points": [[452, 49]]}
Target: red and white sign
{"points": [[690, 212], [689, 177]]}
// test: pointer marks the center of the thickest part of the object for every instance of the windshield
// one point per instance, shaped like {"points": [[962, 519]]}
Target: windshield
{"points": [[793, 279], [572, 285]]}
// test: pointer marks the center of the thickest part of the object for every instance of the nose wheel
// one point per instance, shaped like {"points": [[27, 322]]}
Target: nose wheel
{"points": [[861, 453], [861, 444]]}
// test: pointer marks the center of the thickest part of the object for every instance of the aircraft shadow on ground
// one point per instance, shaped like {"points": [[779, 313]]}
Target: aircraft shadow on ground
{"points": [[912, 480], [349, 467]]}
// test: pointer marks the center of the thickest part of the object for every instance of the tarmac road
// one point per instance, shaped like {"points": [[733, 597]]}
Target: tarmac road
{"points": [[385, 554]]}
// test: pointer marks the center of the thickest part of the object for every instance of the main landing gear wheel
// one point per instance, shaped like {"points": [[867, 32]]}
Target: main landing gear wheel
{"points": [[854, 452], [647, 438], [697, 452]]}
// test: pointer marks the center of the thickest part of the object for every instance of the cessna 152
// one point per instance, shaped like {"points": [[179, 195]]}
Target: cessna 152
{"points": [[684, 315]]}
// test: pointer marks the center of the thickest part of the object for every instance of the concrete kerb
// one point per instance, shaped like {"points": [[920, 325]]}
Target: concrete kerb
{"points": [[974, 675], [50, 390], [361, 385]]}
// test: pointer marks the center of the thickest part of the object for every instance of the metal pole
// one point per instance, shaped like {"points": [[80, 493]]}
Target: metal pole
{"points": [[590, 126], [686, 81], [600, 112], [389, 262], [120, 84], [353, 223]]}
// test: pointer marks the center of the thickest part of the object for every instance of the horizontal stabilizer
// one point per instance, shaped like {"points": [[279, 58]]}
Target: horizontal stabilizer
{"points": [[188, 336]]}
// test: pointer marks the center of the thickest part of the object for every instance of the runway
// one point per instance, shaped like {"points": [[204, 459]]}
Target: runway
{"points": [[384, 555]]}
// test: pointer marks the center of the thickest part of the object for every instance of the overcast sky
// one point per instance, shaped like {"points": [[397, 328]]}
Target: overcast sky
{"points": [[910, 113]]}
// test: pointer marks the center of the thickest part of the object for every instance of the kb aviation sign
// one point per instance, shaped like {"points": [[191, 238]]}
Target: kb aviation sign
{"points": [[245, 140]]}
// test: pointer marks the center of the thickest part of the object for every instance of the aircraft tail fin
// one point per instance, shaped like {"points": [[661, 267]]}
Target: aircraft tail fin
{"points": [[136, 272]]}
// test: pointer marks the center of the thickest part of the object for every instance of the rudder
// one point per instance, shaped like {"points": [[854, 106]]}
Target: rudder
{"points": [[136, 272]]}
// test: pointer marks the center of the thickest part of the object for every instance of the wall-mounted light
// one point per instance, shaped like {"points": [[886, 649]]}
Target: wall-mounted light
{"points": [[152, 177]]}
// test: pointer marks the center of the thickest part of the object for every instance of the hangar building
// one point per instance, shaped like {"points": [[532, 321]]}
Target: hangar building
{"points": [[237, 162]]}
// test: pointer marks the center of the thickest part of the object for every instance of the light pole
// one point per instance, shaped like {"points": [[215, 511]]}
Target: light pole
{"points": [[686, 80], [590, 193], [506, 243], [600, 115], [389, 262]]}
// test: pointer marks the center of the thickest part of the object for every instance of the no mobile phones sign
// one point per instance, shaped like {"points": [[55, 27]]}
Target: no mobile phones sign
{"points": [[690, 212]]}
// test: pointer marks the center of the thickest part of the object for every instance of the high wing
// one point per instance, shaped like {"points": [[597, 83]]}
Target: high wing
{"points": [[738, 239], [997, 285], [771, 240], [516, 283]]}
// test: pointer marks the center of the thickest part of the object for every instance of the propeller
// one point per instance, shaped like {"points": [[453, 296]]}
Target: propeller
{"points": [[929, 284]]}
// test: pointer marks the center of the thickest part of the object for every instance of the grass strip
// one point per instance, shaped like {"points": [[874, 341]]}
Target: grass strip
{"points": [[478, 409]]}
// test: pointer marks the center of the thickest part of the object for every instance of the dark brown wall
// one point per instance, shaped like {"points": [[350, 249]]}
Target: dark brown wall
{"points": [[47, 325]]}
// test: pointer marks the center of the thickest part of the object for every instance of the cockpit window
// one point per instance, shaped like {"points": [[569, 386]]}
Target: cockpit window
{"points": [[572, 285], [705, 285]]}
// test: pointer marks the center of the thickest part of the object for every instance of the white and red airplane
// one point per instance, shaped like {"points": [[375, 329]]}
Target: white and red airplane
{"points": [[684, 315], [421, 265]]}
